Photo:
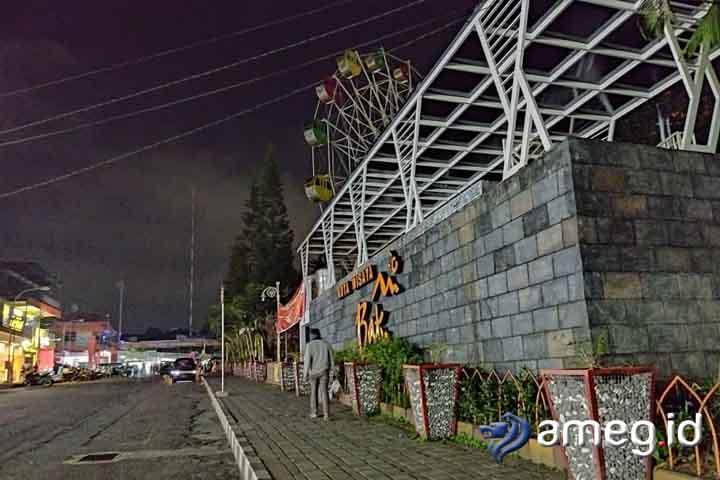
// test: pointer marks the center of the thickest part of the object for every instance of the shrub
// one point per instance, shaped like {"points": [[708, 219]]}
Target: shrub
{"points": [[391, 354]]}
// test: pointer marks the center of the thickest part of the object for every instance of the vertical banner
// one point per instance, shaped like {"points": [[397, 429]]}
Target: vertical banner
{"points": [[291, 313]]}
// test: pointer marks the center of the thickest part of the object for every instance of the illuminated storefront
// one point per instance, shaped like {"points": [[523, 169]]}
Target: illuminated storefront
{"points": [[25, 338]]}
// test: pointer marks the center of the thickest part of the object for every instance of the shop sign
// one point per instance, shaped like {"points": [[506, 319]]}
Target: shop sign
{"points": [[370, 318], [359, 280]]}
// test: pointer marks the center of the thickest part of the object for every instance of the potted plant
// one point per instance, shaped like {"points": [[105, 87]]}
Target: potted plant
{"points": [[595, 393], [287, 376], [302, 386], [362, 381], [433, 390]]}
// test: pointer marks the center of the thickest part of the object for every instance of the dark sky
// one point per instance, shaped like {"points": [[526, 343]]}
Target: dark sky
{"points": [[132, 220]]}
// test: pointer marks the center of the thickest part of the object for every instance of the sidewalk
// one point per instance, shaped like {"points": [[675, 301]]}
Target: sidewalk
{"points": [[292, 446]]}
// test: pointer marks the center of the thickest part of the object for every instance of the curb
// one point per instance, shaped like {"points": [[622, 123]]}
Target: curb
{"points": [[240, 452]]}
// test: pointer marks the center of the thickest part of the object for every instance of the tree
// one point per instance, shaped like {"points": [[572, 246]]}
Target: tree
{"points": [[656, 14], [275, 248], [261, 255], [235, 316]]}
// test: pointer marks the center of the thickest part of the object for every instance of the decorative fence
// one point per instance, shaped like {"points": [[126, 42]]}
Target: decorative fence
{"points": [[486, 395], [684, 400]]}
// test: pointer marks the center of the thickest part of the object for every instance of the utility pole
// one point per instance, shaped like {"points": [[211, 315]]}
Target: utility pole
{"points": [[121, 287], [222, 339], [192, 264]]}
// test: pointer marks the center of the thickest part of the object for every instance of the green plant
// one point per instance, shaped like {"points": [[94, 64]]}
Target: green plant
{"points": [[656, 14], [707, 33], [591, 352], [349, 353], [390, 354], [464, 439], [436, 351]]}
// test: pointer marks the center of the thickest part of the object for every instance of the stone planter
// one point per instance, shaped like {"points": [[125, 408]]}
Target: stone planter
{"points": [[273, 373], [287, 377], [433, 390], [259, 371], [302, 386], [363, 382], [602, 394]]}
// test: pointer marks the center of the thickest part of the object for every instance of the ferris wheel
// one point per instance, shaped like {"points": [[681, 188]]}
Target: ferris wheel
{"points": [[354, 106]]}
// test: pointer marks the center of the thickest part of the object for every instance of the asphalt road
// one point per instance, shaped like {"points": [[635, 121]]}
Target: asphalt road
{"points": [[161, 432]]}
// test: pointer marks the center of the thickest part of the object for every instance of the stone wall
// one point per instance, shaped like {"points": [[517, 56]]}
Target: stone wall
{"points": [[649, 227], [610, 240]]}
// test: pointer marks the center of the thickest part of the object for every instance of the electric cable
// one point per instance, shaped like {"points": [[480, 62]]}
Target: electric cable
{"points": [[216, 91], [154, 145], [171, 51], [165, 141], [210, 71]]}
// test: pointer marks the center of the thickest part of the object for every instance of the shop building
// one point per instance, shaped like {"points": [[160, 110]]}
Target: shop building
{"points": [[85, 340], [27, 308]]}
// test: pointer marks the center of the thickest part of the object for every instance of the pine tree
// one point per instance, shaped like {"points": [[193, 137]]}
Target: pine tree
{"points": [[262, 254], [276, 247], [243, 257]]}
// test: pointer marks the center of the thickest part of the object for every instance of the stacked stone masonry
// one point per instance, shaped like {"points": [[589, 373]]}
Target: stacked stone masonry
{"points": [[594, 242]]}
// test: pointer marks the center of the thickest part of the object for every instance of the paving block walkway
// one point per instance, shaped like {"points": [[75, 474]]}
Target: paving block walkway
{"points": [[293, 446]]}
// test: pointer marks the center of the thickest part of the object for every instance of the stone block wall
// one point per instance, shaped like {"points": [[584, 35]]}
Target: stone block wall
{"points": [[594, 241], [649, 228], [500, 281]]}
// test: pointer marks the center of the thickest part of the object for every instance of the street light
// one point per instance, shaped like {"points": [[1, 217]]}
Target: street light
{"points": [[11, 336], [222, 393], [273, 292]]}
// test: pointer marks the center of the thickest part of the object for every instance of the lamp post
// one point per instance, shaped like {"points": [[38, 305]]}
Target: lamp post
{"points": [[273, 292], [11, 336], [222, 393]]}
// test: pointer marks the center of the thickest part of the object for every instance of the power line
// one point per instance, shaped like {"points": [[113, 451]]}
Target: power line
{"points": [[211, 71], [216, 91], [185, 134], [154, 145], [171, 51]]}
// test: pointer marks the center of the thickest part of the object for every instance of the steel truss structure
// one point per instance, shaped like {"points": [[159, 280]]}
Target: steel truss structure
{"points": [[520, 76]]}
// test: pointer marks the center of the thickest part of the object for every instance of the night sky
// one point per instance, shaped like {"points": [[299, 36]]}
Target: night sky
{"points": [[131, 220]]}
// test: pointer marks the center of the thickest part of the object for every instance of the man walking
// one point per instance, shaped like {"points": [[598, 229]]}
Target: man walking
{"points": [[316, 367]]}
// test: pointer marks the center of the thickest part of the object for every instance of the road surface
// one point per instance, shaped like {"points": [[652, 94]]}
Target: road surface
{"points": [[160, 431]]}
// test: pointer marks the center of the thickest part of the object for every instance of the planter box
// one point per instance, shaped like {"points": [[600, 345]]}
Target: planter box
{"points": [[287, 377], [602, 394], [302, 386], [363, 381], [465, 428], [259, 371], [273, 373], [345, 399], [541, 455], [433, 391], [663, 474]]}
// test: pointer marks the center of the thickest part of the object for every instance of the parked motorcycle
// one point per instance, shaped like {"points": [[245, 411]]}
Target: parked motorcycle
{"points": [[42, 379]]}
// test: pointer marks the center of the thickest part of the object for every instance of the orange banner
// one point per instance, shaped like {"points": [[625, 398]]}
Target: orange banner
{"points": [[290, 314]]}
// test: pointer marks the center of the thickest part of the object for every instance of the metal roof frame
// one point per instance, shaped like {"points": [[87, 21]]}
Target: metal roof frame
{"points": [[502, 93]]}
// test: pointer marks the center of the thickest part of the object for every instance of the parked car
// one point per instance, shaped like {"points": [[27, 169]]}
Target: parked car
{"points": [[184, 370]]}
